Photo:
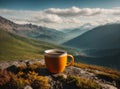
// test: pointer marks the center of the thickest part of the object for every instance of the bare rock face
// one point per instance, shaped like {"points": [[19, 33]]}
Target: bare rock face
{"points": [[59, 81]]}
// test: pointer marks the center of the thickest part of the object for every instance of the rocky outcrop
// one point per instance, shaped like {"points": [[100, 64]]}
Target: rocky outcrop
{"points": [[55, 79]]}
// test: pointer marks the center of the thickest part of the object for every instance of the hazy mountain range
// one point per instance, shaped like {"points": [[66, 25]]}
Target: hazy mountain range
{"points": [[44, 33], [73, 33], [33, 31], [17, 44], [102, 37], [96, 45]]}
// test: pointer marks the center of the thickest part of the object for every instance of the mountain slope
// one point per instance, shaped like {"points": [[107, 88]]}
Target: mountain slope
{"points": [[75, 32], [13, 47], [102, 37], [33, 31], [100, 46]]}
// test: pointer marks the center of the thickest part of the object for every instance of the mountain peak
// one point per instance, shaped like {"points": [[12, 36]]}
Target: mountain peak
{"points": [[7, 24], [32, 31], [5, 21]]}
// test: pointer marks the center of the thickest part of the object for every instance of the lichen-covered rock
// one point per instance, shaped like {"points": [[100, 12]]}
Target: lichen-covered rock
{"points": [[61, 80]]}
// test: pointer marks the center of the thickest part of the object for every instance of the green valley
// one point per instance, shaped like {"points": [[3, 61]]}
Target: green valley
{"points": [[15, 47]]}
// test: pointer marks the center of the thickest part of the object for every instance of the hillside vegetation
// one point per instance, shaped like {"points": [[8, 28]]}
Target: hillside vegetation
{"points": [[99, 46], [102, 37], [14, 47]]}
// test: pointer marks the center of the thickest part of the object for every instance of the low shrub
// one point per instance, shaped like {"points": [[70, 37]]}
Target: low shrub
{"points": [[6, 80], [5, 77], [25, 75]]}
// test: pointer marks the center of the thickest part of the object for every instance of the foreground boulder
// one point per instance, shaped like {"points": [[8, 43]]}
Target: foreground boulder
{"points": [[79, 76]]}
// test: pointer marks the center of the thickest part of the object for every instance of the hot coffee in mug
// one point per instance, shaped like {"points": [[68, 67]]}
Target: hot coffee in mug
{"points": [[56, 60]]}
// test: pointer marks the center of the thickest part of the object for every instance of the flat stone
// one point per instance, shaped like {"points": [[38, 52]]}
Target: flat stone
{"points": [[60, 75]]}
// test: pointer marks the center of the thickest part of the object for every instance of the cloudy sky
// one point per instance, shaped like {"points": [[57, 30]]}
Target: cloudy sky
{"points": [[61, 14]]}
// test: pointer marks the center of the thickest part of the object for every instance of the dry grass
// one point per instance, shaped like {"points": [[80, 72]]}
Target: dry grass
{"points": [[31, 67], [108, 77], [5, 77], [6, 81], [102, 72], [98, 68], [31, 78], [82, 83], [26, 75]]}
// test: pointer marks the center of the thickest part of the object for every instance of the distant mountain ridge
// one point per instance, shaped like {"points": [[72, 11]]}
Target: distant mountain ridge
{"points": [[102, 37], [43, 33], [99, 46], [75, 32], [33, 31]]}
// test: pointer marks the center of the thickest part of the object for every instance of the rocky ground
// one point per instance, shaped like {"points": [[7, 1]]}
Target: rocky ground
{"points": [[54, 82]]}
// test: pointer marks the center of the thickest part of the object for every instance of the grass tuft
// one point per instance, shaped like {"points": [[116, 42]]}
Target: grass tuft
{"points": [[82, 83], [106, 74], [25, 75]]}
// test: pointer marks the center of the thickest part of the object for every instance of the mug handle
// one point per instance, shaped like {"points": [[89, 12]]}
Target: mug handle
{"points": [[72, 61]]}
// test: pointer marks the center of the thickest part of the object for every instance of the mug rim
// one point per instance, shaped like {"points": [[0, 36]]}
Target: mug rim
{"points": [[47, 52]]}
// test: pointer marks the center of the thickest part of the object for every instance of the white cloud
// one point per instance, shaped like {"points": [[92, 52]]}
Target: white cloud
{"points": [[74, 11], [47, 18], [63, 18]]}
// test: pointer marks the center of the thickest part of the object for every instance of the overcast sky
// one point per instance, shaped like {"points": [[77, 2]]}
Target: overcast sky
{"points": [[61, 14]]}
